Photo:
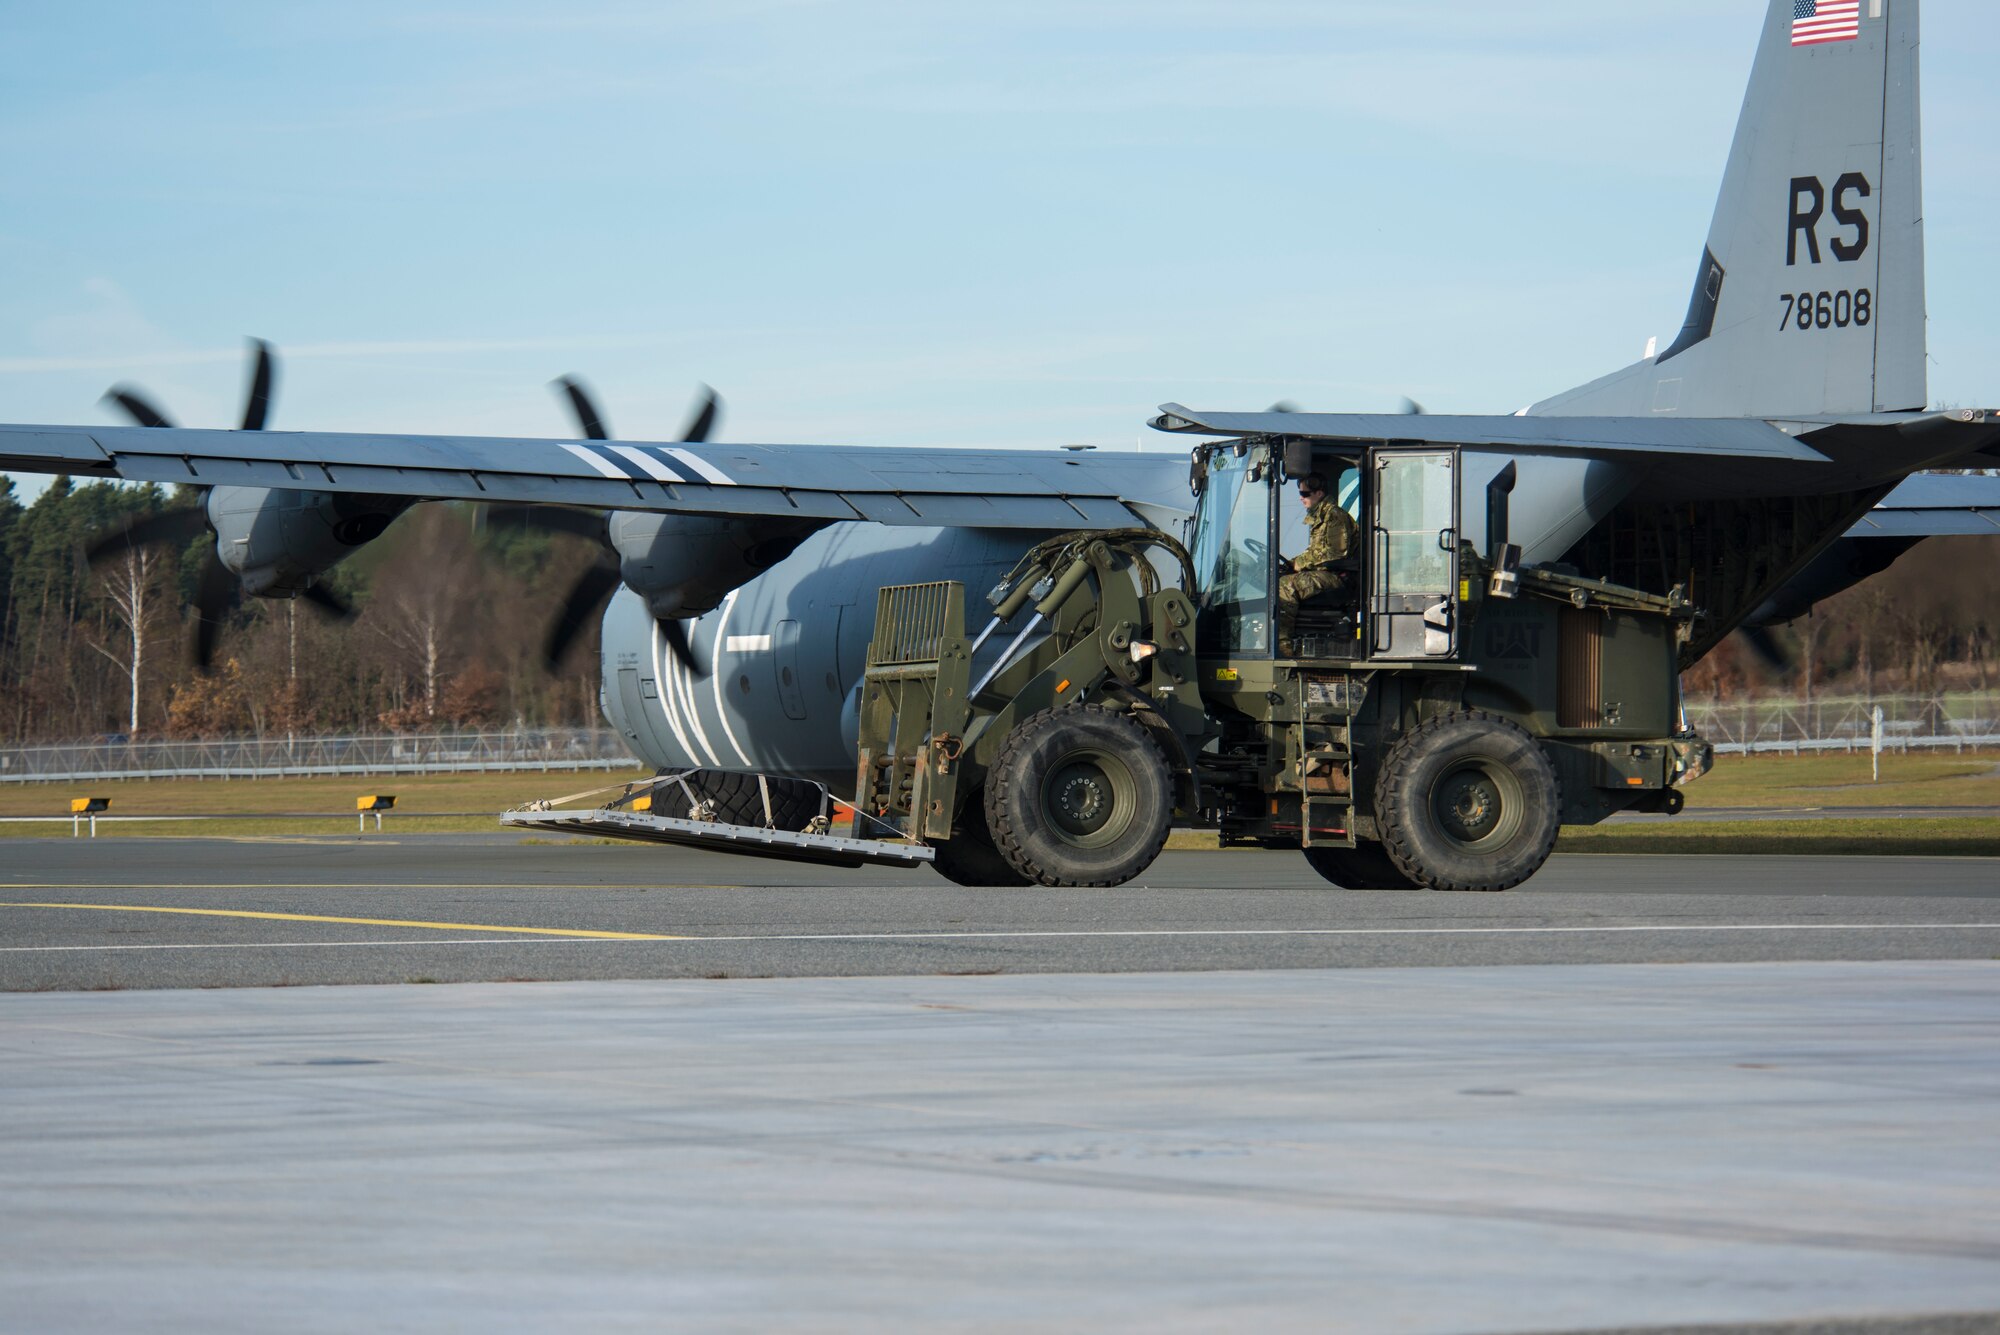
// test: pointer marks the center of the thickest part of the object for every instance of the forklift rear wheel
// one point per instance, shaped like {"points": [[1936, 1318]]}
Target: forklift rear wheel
{"points": [[969, 857], [1079, 796], [1468, 801], [1366, 866]]}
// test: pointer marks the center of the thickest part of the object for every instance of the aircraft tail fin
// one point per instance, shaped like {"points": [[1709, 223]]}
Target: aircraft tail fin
{"points": [[1809, 297]]}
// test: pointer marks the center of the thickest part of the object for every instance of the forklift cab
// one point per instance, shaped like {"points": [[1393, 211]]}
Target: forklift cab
{"points": [[1401, 598]]}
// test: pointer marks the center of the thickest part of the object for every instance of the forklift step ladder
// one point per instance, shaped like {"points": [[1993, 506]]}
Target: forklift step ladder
{"points": [[1321, 756]]}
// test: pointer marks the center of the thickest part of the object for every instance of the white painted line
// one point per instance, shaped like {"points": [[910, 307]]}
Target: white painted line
{"points": [[599, 462], [1364, 931], [681, 674], [656, 470], [683, 940], [715, 671], [702, 466], [736, 644], [669, 702]]}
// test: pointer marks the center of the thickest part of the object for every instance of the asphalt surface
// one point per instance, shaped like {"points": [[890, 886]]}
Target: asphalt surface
{"points": [[152, 913]]}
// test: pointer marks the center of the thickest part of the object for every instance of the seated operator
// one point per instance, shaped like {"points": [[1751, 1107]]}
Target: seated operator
{"points": [[1332, 538]]}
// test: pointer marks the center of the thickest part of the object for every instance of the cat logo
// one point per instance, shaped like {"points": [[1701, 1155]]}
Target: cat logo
{"points": [[1513, 641]]}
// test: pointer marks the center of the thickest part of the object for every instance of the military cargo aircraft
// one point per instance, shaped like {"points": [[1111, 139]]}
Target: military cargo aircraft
{"points": [[1752, 462]]}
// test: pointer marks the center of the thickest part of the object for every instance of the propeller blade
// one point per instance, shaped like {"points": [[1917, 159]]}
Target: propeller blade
{"points": [[178, 527], [588, 418], [1411, 408], [136, 405], [586, 598], [257, 407], [702, 421], [1283, 406], [1765, 645], [676, 636], [213, 597], [329, 602], [549, 519]]}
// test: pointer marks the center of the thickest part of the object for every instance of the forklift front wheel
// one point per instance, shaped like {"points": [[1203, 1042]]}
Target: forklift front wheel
{"points": [[1468, 801], [1079, 796]]}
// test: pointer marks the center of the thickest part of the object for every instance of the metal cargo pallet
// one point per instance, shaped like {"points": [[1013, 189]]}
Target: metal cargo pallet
{"points": [[628, 817]]}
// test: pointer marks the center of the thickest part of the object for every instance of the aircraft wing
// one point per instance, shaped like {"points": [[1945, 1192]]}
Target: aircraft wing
{"points": [[1027, 489], [1681, 457], [1733, 437], [1933, 505]]}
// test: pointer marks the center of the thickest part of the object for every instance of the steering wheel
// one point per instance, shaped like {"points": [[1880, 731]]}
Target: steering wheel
{"points": [[1259, 553]]}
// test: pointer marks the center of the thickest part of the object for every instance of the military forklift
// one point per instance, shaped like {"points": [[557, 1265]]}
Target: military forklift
{"points": [[1444, 710]]}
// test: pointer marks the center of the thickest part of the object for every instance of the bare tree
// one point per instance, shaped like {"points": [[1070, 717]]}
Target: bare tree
{"points": [[422, 606], [130, 588], [1809, 629]]}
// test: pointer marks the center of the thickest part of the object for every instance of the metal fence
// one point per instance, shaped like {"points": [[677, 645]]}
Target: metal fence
{"points": [[548, 749], [1957, 720]]}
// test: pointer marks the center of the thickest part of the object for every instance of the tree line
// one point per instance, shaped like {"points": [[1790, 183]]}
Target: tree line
{"points": [[448, 632], [452, 615], [1926, 625]]}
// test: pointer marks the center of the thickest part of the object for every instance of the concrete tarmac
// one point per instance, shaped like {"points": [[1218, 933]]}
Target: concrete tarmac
{"points": [[1442, 1149], [1709, 1091]]}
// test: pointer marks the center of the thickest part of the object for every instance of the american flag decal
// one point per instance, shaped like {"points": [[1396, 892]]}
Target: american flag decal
{"points": [[1816, 21]]}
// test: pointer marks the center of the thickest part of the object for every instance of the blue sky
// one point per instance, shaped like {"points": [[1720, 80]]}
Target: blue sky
{"points": [[903, 224]]}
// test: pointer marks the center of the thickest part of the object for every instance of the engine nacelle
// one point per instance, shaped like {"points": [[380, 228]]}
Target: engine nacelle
{"points": [[278, 542], [684, 565]]}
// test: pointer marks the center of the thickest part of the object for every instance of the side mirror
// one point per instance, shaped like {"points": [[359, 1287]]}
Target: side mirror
{"points": [[1298, 458]]}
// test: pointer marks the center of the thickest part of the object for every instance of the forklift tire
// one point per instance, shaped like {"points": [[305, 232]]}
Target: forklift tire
{"points": [[969, 857], [738, 801], [1079, 796], [1366, 866], [1468, 801]]}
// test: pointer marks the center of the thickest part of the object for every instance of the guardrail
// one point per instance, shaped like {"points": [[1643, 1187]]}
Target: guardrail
{"points": [[1958, 721], [1798, 746], [546, 749]]}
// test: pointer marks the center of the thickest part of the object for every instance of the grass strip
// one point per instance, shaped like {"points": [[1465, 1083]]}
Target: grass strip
{"points": [[1968, 836]]}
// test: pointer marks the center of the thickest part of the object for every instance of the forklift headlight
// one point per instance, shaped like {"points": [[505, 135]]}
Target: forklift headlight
{"points": [[1142, 650]]}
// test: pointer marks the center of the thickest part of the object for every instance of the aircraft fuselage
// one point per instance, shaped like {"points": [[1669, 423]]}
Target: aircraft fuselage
{"points": [[783, 654]]}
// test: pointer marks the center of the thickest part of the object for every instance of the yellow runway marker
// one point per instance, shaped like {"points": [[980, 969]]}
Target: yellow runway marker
{"points": [[363, 922]]}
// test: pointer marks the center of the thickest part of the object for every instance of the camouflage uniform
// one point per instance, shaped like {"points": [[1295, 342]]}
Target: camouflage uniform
{"points": [[1332, 537]]}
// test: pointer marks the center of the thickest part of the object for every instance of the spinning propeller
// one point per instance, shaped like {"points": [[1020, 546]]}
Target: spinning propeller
{"points": [[216, 587], [595, 585]]}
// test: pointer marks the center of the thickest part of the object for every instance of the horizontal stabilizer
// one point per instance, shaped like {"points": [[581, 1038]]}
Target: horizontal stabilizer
{"points": [[1936, 505]]}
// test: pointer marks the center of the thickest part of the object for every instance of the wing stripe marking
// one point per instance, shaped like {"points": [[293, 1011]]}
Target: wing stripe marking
{"points": [[597, 461], [656, 470], [668, 706], [707, 471], [631, 472], [683, 678], [715, 671]]}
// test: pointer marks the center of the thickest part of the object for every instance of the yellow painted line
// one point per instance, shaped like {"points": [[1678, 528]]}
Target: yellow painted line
{"points": [[363, 922], [388, 886]]}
